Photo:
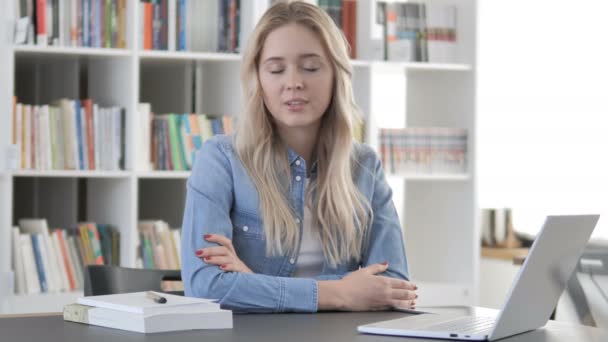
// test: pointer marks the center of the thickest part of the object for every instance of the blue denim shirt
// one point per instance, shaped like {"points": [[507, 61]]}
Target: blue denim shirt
{"points": [[222, 199]]}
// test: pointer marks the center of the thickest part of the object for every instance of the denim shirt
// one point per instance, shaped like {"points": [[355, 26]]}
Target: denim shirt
{"points": [[222, 199]]}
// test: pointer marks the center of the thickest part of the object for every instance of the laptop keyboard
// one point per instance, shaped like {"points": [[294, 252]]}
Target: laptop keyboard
{"points": [[465, 325]]}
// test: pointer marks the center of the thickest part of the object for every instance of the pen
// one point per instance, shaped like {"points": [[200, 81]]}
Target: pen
{"points": [[156, 297]]}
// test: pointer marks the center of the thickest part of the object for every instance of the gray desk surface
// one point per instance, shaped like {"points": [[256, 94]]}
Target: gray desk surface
{"points": [[251, 328]]}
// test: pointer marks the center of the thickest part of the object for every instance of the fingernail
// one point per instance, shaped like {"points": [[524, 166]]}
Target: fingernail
{"points": [[416, 296], [207, 258], [199, 253], [385, 263], [206, 236], [223, 267], [415, 287]]}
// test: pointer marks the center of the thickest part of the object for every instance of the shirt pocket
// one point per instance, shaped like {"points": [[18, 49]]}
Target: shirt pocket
{"points": [[248, 226], [249, 241]]}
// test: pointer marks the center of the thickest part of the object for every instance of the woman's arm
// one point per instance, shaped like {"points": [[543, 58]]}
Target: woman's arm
{"points": [[208, 203], [385, 242]]}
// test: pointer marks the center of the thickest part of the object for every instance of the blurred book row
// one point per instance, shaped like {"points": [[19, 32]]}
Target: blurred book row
{"points": [[159, 246], [497, 228], [424, 150], [47, 261], [87, 23], [68, 135], [418, 32], [170, 141], [189, 25]]}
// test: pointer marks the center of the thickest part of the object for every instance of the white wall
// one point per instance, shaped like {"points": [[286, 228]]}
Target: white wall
{"points": [[543, 114]]}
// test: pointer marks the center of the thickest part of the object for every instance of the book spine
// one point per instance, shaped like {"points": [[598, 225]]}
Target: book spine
{"points": [[66, 260], [39, 263], [76, 313]]}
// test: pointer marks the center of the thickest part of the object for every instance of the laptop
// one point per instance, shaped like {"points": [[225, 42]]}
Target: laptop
{"points": [[531, 300]]}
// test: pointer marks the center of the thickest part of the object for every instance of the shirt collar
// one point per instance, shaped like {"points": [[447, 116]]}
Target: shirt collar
{"points": [[292, 156]]}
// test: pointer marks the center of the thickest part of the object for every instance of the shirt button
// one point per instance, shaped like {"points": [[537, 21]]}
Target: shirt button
{"points": [[298, 178], [245, 228], [298, 162], [292, 261], [297, 220]]}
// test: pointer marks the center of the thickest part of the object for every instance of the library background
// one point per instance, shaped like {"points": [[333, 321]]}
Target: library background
{"points": [[104, 103]]}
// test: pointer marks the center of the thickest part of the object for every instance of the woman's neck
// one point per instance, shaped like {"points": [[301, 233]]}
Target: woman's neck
{"points": [[302, 140]]}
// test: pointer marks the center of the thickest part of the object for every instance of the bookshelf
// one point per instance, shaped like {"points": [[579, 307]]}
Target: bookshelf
{"points": [[437, 211]]}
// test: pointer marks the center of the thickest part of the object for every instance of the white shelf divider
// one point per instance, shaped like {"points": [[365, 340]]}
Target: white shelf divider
{"points": [[43, 302], [430, 176], [163, 174], [71, 173], [184, 55], [72, 51]]}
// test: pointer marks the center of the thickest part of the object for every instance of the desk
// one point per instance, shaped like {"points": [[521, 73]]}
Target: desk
{"points": [[263, 328]]}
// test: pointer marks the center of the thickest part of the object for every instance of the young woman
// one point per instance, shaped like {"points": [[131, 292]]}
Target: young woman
{"points": [[290, 214]]}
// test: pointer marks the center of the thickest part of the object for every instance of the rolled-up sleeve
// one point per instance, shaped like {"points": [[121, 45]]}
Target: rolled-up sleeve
{"points": [[208, 205]]}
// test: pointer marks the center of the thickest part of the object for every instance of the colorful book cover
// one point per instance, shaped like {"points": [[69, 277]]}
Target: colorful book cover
{"points": [[95, 243]]}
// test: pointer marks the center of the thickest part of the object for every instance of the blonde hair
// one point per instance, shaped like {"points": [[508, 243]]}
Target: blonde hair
{"points": [[339, 210]]}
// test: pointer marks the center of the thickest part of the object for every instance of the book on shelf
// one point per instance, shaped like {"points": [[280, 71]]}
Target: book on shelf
{"points": [[74, 23], [190, 25], [414, 32], [170, 141], [159, 246], [344, 15], [424, 150], [137, 312], [69, 135], [497, 228], [52, 260]]}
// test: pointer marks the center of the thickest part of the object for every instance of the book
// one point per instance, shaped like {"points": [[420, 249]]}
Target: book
{"points": [[205, 318], [138, 303]]}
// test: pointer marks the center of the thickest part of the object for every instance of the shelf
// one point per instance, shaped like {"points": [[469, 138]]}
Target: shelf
{"points": [[437, 66], [71, 173], [163, 174], [72, 51], [417, 66], [429, 177], [515, 255], [43, 302], [191, 56]]}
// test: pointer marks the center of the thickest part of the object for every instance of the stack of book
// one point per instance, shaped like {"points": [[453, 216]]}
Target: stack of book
{"points": [[69, 135], [145, 312], [159, 246], [424, 150], [89, 23], [190, 25], [53, 261], [170, 141], [418, 32]]}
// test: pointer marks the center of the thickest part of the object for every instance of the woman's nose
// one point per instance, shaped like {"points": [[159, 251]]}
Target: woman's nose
{"points": [[294, 81]]}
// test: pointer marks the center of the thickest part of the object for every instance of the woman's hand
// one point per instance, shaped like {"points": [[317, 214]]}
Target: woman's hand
{"points": [[363, 290], [223, 255]]}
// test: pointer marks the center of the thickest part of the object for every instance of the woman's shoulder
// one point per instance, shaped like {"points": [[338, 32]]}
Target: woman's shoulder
{"points": [[222, 141], [365, 155], [217, 149]]}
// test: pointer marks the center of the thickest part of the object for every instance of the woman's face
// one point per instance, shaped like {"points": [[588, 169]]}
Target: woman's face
{"points": [[296, 77]]}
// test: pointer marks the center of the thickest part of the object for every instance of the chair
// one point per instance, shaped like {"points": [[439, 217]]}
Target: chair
{"points": [[107, 279]]}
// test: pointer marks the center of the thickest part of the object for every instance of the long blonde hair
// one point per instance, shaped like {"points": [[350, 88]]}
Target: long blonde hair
{"points": [[340, 211]]}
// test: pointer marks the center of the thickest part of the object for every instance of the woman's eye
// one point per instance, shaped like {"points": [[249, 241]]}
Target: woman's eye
{"points": [[311, 69], [276, 71]]}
